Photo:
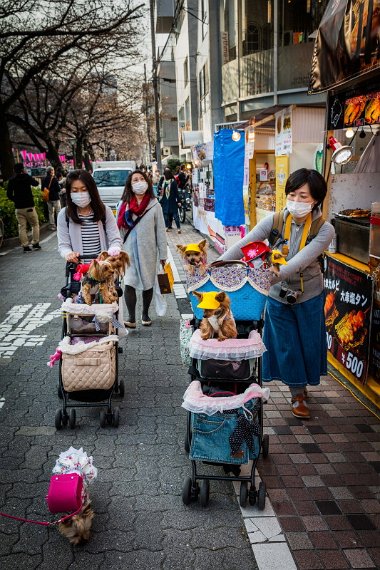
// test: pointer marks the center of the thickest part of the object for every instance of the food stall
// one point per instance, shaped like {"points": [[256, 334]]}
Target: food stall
{"points": [[273, 152], [352, 171]]}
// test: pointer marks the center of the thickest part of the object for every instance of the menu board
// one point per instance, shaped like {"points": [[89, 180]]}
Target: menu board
{"points": [[348, 307]]}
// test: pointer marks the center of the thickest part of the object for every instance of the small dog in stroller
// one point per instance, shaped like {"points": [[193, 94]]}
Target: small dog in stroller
{"points": [[217, 317], [194, 256], [100, 278]]}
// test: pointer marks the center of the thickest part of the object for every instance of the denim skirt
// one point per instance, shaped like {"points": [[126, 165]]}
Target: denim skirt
{"points": [[295, 339]]}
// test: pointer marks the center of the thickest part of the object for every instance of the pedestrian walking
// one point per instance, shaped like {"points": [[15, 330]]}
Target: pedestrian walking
{"points": [[142, 228], [54, 204], [86, 226], [62, 185], [169, 200], [294, 328], [19, 191]]}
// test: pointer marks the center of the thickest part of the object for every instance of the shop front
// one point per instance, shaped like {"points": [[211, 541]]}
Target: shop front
{"points": [[352, 170], [272, 152]]}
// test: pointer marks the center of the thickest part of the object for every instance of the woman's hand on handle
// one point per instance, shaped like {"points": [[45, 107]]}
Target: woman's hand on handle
{"points": [[73, 256]]}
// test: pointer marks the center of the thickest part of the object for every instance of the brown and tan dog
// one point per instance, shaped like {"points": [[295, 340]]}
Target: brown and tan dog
{"points": [[99, 281], [77, 529], [194, 256], [217, 317]]}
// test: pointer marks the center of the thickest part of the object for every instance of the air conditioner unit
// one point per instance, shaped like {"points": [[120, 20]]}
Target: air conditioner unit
{"points": [[165, 151]]}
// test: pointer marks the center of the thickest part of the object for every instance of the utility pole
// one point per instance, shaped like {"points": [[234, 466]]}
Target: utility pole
{"points": [[155, 87], [146, 93]]}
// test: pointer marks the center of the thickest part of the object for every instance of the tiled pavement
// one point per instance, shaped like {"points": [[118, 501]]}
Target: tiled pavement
{"points": [[322, 475]]}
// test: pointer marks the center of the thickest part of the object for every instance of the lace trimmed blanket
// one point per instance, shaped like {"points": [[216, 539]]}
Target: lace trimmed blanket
{"points": [[229, 349], [231, 278]]}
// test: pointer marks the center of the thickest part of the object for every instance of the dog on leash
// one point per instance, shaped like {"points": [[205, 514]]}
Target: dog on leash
{"points": [[79, 465], [217, 317], [194, 256], [77, 529]]}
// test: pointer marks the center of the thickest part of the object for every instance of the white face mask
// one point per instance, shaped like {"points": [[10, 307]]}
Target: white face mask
{"points": [[299, 209], [140, 188], [81, 199]]}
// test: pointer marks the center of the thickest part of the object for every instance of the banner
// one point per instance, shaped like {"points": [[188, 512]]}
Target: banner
{"points": [[283, 132], [348, 307], [346, 45]]}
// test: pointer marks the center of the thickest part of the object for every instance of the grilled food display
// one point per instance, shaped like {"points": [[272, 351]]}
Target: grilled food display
{"points": [[331, 312], [372, 111], [350, 330], [353, 110], [356, 213]]}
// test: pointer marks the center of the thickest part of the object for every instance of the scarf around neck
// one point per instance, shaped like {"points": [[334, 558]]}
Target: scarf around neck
{"points": [[124, 219]]}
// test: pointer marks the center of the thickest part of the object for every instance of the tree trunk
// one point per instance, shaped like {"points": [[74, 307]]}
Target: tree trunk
{"points": [[78, 158], [6, 156], [52, 155]]}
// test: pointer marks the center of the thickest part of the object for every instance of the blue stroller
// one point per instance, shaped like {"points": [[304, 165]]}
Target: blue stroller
{"points": [[224, 400]]}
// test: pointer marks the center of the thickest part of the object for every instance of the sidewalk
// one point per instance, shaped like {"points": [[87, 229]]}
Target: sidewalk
{"points": [[322, 476]]}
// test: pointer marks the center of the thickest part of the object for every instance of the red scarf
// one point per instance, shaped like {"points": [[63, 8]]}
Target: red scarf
{"points": [[133, 208]]}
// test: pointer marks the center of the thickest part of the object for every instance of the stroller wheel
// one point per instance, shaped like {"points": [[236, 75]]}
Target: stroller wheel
{"points": [[65, 419], [72, 418], [121, 389], [265, 446], [116, 417], [252, 496], [186, 491], [204, 493], [58, 419], [120, 349], [243, 496], [261, 495], [102, 418]]}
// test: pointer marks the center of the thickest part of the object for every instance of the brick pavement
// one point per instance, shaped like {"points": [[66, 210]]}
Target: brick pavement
{"points": [[141, 522], [322, 475]]}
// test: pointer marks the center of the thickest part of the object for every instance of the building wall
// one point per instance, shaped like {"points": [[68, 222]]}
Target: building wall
{"points": [[168, 104]]}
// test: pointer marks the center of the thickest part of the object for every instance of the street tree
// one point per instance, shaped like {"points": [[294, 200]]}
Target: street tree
{"points": [[36, 34]]}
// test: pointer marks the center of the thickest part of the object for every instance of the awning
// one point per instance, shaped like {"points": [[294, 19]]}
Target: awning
{"points": [[346, 45]]}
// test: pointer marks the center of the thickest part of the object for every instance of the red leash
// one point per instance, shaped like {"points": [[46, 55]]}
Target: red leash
{"points": [[42, 523]]}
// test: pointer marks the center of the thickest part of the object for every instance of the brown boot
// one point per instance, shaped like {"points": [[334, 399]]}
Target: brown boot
{"points": [[299, 407]]}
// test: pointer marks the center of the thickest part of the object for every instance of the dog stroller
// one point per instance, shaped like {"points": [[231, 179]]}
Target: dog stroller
{"points": [[88, 364], [224, 400]]}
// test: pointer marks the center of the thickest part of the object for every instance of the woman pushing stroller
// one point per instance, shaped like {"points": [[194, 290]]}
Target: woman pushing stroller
{"points": [[294, 329]]}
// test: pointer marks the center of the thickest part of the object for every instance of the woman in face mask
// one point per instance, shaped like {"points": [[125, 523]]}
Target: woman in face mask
{"points": [[294, 329], [86, 226], [142, 229]]}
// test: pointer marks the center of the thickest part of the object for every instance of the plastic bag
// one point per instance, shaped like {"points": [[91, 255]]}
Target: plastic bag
{"points": [[160, 304]]}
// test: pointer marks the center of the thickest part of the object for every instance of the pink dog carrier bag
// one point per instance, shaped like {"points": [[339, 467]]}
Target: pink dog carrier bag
{"points": [[65, 493]]}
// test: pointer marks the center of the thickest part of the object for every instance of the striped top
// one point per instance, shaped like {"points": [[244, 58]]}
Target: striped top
{"points": [[90, 237]]}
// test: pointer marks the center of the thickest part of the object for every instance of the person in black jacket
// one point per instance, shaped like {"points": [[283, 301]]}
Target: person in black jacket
{"points": [[169, 199], [20, 192], [54, 204]]}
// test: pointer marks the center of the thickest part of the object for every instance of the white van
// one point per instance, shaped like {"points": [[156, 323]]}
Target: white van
{"points": [[110, 178]]}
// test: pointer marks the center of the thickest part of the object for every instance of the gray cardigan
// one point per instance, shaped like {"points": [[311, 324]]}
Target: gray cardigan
{"points": [[70, 238], [146, 245], [305, 260]]}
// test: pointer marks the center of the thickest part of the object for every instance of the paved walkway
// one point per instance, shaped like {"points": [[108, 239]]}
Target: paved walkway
{"points": [[322, 475], [322, 478]]}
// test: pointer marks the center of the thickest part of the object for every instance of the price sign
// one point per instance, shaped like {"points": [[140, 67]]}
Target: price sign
{"points": [[348, 309]]}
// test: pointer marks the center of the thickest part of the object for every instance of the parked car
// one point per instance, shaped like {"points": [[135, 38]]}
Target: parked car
{"points": [[110, 178]]}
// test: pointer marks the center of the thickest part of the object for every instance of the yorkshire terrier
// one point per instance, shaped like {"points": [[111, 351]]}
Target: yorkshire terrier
{"points": [[77, 529], [99, 281], [217, 317], [194, 256]]}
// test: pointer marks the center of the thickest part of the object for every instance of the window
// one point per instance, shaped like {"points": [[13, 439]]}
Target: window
{"points": [[186, 71], [204, 87]]}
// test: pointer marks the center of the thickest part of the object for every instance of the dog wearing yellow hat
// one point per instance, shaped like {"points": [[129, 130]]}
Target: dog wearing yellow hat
{"points": [[217, 321], [194, 256]]}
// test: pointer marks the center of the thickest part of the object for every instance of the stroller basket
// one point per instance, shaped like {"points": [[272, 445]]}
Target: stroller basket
{"points": [[90, 319], [247, 288], [92, 369], [213, 369]]}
